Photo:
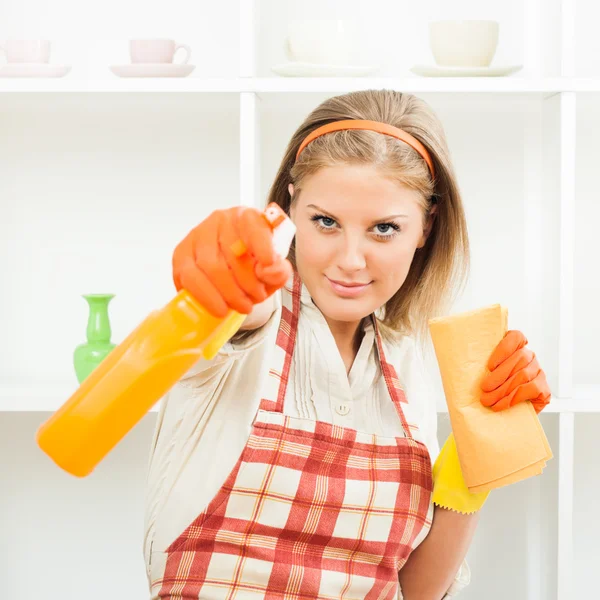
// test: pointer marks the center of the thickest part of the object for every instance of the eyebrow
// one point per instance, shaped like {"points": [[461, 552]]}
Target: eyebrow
{"points": [[389, 218]]}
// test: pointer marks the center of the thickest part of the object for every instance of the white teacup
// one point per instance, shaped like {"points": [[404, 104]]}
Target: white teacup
{"points": [[26, 51], [321, 41], [156, 51], [463, 43]]}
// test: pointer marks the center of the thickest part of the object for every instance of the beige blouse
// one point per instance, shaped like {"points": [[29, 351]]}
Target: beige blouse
{"points": [[204, 421]]}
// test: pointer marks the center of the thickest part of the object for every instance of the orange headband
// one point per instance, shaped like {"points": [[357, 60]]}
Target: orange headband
{"points": [[371, 126]]}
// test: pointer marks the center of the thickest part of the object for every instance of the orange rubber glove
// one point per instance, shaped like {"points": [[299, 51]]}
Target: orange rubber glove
{"points": [[515, 376], [205, 264]]}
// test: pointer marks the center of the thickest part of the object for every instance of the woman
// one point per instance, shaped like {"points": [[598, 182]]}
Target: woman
{"points": [[298, 462]]}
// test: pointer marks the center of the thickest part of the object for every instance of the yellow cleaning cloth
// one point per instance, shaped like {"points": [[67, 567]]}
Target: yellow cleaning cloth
{"points": [[449, 488], [495, 448]]}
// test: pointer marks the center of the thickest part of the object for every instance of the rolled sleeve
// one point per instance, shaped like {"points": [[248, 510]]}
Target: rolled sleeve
{"points": [[461, 581]]}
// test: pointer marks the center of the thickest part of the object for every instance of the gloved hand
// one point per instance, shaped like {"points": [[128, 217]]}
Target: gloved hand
{"points": [[515, 376], [206, 265], [449, 488]]}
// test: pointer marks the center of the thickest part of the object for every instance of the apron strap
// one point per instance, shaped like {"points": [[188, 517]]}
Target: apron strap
{"points": [[391, 381], [281, 360]]}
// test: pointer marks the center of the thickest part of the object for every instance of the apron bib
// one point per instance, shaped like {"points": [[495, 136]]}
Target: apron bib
{"points": [[310, 509]]}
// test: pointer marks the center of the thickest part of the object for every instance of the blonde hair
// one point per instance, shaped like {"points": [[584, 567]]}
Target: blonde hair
{"points": [[440, 269]]}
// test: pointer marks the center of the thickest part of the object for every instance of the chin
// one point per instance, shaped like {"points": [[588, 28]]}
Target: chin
{"points": [[343, 310]]}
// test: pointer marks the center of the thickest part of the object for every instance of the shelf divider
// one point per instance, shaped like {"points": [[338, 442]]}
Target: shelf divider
{"points": [[568, 117], [534, 205], [565, 506]]}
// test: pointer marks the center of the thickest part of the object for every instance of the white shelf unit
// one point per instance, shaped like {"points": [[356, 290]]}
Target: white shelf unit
{"points": [[331, 85], [105, 153]]}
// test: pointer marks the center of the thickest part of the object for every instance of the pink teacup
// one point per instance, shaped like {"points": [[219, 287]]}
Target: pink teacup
{"points": [[156, 51], [26, 51]]}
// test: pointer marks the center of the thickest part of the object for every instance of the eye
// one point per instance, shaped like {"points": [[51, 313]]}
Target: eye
{"points": [[385, 231], [323, 221]]}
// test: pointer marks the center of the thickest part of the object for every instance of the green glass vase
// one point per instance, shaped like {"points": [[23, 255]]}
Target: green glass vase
{"points": [[89, 355]]}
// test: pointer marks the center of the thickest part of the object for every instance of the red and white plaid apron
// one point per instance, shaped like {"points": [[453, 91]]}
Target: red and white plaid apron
{"points": [[311, 509]]}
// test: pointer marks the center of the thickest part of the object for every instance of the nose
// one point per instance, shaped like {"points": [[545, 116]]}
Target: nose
{"points": [[351, 256]]}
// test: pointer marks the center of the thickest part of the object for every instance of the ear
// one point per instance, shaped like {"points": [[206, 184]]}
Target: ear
{"points": [[428, 225], [292, 205]]}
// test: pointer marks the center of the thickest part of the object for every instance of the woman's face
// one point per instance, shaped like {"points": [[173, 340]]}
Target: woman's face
{"points": [[356, 236]]}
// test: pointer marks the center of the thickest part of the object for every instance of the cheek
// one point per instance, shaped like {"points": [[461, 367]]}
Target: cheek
{"points": [[312, 248], [391, 265]]}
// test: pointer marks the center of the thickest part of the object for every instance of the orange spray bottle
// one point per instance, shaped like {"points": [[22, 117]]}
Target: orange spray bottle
{"points": [[141, 370]]}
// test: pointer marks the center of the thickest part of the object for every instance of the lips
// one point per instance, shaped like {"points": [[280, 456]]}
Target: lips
{"points": [[347, 289], [346, 284]]}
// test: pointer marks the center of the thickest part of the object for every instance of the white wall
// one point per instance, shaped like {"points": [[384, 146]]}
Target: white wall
{"points": [[97, 191], [64, 537], [585, 510], [586, 363]]}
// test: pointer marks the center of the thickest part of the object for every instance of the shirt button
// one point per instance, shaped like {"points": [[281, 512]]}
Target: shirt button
{"points": [[342, 409]]}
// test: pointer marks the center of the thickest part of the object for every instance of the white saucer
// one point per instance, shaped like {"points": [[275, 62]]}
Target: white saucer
{"points": [[301, 69], [437, 71], [152, 70], [33, 70]]}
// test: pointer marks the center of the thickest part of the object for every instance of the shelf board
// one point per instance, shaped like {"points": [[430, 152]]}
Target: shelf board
{"points": [[49, 397], [489, 85], [38, 397]]}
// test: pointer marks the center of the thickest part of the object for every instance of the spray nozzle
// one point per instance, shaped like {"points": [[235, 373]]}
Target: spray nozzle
{"points": [[283, 231]]}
